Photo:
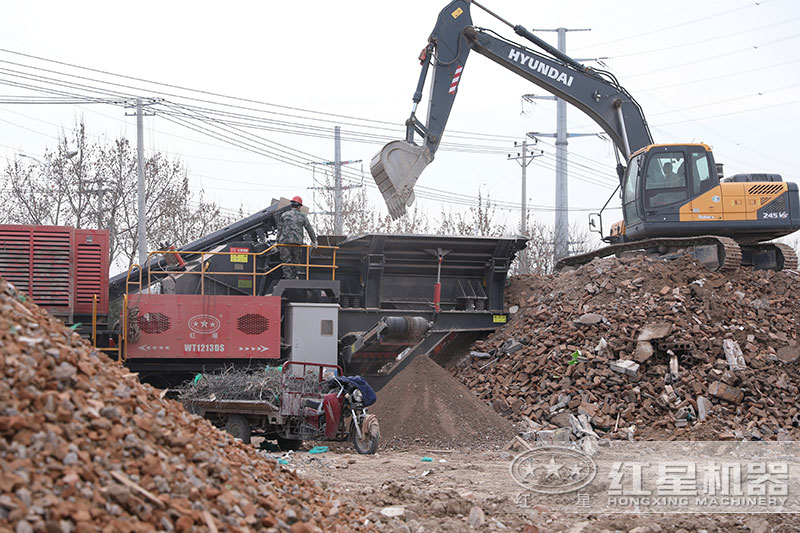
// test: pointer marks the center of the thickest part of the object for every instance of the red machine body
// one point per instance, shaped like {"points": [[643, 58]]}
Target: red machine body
{"points": [[59, 267], [193, 326]]}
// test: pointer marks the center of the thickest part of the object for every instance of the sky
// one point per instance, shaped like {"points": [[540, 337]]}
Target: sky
{"points": [[723, 72]]}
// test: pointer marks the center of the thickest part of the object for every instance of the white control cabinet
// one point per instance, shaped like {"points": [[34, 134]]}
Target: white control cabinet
{"points": [[312, 329]]}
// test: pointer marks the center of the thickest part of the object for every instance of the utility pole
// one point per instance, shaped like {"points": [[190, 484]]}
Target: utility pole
{"points": [[561, 245], [338, 189], [99, 191], [141, 212], [522, 159], [337, 180], [140, 179]]}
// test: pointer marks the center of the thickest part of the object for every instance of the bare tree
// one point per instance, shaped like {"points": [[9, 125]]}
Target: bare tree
{"points": [[477, 220], [358, 215], [539, 253], [90, 185]]}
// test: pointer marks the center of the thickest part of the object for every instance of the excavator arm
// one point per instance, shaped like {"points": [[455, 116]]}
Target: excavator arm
{"points": [[399, 164]]}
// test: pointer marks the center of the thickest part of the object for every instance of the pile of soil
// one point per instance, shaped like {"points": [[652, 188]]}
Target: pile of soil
{"points": [[424, 405], [558, 354], [85, 447]]}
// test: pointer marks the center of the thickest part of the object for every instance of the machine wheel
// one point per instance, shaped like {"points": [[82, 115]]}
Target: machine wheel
{"points": [[289, 445], [370, 436], [239, 427]]}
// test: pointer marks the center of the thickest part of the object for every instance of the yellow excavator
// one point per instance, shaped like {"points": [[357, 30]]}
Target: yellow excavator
{"points": [[674, 200]]}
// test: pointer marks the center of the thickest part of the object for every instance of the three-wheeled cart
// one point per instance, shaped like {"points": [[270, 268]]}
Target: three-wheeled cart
{"points": [[313, 403]]}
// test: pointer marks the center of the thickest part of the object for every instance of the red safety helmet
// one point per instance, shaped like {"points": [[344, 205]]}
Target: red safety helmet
{"points": [[297, 200]]}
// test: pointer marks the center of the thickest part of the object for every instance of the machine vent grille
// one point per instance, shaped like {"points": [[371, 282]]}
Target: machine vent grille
{"points": [[154, 323], [252, 324], [89, 275], [777, 206], [766, 188], [51, 268], [15, 258]]}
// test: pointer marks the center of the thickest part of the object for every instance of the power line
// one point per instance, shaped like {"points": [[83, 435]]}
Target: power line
{"points": [[725, 54], [737, 34], [651, 32]]}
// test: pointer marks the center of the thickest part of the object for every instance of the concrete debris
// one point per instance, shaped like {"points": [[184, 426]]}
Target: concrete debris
{"points": [[663, 329], [704, 407], [590, 318], [656, 330], [84, 446], [789, 354], [733, 354], [511, 346], [628, 367], [602, 347], [393, 512], [476, 517], [557, 436], [643, 352]]}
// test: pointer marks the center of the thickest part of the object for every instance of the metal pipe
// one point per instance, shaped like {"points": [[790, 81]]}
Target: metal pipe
{"points": [[123, 343], [94, 320], [544, 45], [618, 108], [495, 15], [202, 274]]}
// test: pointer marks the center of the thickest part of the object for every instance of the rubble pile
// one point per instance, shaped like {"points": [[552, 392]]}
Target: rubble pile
{"points": [[85, 447], [424, 405], [647, 349]]}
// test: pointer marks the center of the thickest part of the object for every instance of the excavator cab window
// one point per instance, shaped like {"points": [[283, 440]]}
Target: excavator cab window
{"points": [[665, 183], [630, 192], [703, 179]]}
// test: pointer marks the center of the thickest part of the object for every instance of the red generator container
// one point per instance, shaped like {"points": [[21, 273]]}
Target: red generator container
{"points": [[59, 267]]}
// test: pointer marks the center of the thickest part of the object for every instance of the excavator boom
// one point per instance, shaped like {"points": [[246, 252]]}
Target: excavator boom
{"points": [[399, 164]]}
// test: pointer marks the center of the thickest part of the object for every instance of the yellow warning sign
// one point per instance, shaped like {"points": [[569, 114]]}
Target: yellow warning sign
{"points": [[239, 257], [499, 319], [457, 13]]}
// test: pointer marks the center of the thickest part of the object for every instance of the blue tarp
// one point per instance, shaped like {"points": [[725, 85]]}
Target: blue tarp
{"points": [[367, 393]]}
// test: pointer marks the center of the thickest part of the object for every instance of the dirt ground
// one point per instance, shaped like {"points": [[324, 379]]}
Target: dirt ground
{"points": [[459, 486]]}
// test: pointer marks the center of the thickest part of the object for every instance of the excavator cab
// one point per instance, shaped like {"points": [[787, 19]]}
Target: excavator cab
{"points": [[674, 202], [673, 190], [660, 184]]}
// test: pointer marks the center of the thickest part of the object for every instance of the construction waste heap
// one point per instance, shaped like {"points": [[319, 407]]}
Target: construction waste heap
{"points": [[85, 447], [424, 406], [646, 349]]}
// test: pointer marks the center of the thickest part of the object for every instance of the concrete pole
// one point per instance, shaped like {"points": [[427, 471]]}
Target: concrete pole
{"points": [[337, 181], [561, 246], [523, 222], [100, 192], [141, 208]]}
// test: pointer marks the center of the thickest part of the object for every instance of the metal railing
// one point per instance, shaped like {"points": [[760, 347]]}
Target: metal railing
{"points": [[249, 257], [118, 348]]}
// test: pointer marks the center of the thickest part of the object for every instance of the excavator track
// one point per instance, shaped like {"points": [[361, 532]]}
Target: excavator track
{"points": [[729, 254], [789, 256]]}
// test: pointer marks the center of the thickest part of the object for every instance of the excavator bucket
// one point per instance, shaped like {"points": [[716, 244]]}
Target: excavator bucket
{"points": [[396, 169]]}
